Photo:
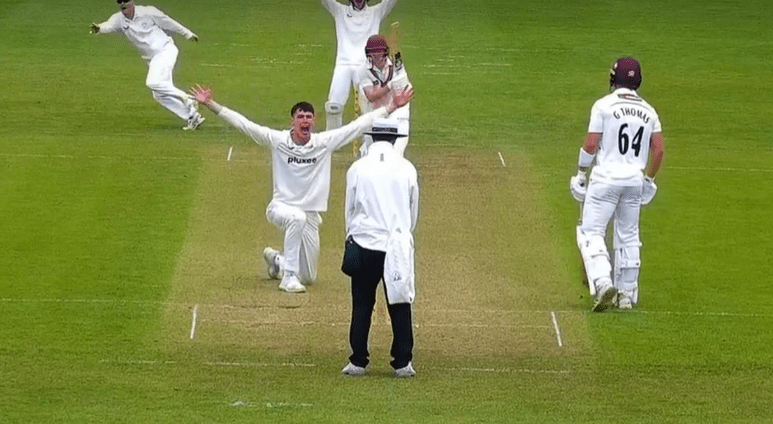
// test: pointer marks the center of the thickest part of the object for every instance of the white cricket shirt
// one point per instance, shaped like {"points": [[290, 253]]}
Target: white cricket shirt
{"points": [[301, 174], [626, 122], [382, 192], [146, 30], [370, 76], [353, 27]]}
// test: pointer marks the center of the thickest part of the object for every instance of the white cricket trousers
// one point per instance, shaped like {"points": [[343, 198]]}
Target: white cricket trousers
{"points": [[623, 203], [159, 81], [301, 243], [340, 86]]}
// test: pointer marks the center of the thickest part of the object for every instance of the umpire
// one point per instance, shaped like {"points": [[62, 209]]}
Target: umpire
{"points": [[382, 194]]}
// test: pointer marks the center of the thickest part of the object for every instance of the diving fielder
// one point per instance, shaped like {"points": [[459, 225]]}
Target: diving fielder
{"points": [[354, 24], [623, 135], [377, 81], [145, 27]]}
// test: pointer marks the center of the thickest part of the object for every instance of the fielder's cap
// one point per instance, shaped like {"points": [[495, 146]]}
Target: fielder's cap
{"points": [[626, 72], [386, 126]]}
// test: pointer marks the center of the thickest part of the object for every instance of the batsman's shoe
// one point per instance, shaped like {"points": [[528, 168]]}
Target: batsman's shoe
{"points": [[291, 284], [605, 297], [194, 122], [273, 269], [624, 301], [353, 370], [406, 371]]}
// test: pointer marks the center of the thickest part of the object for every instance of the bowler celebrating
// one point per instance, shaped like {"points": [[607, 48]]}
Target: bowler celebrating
{"points": [[300, 166]]}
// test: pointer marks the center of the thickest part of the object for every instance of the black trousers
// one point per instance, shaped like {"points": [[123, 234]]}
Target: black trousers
{"points": [[364, 284]]}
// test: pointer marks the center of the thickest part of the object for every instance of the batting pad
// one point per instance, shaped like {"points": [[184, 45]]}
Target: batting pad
{"points": [[595, 256]]}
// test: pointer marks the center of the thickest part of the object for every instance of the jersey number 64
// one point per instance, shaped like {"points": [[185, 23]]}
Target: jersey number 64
{"points": [[623, 140]]}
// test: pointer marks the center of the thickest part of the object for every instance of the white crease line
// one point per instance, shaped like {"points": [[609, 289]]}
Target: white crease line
{"points": [[271, 405], [421, 312], [504, 370], [47, 156], [136, 362], [697, 168], [257, 364], [376, 324], [230, 153], [502, 159], [443, 146], [193, 320], [558, 330], [469, 66], [306, 365]]}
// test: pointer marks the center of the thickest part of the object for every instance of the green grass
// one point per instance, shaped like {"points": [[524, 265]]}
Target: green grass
{"points": [[116, 224]]}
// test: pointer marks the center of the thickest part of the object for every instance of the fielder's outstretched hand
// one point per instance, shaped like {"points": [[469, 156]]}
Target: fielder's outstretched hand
{"points": [[202, 95], [194, 37], [94, 28]]}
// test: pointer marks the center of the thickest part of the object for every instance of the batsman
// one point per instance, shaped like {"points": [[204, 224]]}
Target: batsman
{"points": [[625, 140]]}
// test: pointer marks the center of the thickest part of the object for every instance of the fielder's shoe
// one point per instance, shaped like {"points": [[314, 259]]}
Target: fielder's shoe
{"points": [[273, 269], [291, 284], [406, 371], [194, 122], [605, 297], [353, 370], [624, 301]]}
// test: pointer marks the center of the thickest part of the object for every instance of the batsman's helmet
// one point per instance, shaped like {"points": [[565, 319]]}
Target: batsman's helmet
{"points": [[377, 43], [626, 72]]}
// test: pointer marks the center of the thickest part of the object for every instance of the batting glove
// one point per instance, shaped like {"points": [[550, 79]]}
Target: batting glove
{"points": [[578, 186], [648, 190]]}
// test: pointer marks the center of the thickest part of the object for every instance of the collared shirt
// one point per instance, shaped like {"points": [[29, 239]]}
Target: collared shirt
{"points": [[382, 194], [370, 76], [626, 122], [353, 27], [301, 174], [146, 29]]}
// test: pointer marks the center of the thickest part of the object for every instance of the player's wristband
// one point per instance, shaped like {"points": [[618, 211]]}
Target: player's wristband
{"points": [[585, 160]]}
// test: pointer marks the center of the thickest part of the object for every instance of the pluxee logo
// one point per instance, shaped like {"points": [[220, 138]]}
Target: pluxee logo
{"points": [[300, 161]]}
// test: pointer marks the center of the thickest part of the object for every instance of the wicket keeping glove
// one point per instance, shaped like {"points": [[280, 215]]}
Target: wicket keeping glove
{"points": [[578, 186], [648, 190]]}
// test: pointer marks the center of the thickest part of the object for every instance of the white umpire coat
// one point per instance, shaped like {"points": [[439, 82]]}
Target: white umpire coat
{"points": [[382, 208]]}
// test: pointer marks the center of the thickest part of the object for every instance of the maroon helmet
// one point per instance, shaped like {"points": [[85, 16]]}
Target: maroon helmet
{"points": [[377, 43], [626, 72]]}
